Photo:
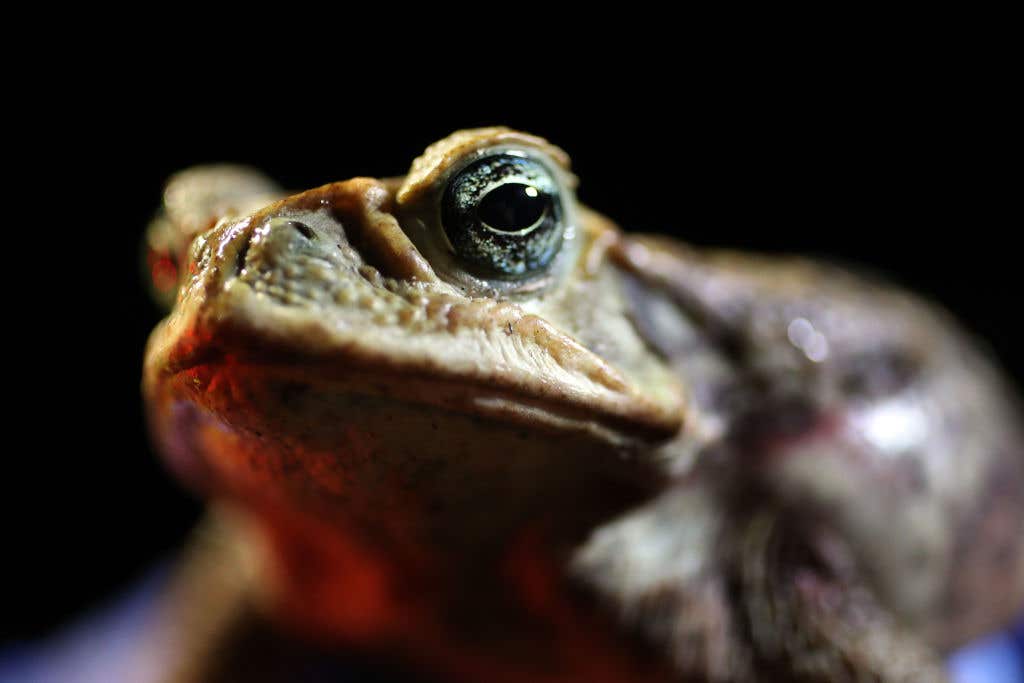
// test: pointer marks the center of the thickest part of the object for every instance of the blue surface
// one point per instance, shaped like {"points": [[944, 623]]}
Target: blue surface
{"points": [[97, 649], [103, 648], [997, 659]]}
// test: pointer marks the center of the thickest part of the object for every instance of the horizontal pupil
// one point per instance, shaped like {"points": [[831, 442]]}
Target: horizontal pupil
{"points": [[512, 207]]}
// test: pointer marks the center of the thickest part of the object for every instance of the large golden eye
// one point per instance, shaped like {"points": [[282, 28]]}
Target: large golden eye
{"points": [[503, 216]]}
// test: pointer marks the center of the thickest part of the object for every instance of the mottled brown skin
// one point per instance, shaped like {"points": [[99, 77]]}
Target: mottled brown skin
{"points": [[645, 463]]}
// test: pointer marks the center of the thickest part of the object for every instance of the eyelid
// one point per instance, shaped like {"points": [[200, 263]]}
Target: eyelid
{"points": [[431, 170]]}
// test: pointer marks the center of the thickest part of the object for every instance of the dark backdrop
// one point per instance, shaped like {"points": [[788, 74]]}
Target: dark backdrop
{"points": [[902, 168]]}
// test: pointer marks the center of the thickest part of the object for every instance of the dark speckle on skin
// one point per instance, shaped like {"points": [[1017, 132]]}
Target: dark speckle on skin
{"points": [[243, 252], [292, 392], [880, 373], [915, 475], [785, 418], [303, 229]]}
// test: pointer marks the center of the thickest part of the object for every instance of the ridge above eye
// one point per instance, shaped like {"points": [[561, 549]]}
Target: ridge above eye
{"points": [[502, 215]]}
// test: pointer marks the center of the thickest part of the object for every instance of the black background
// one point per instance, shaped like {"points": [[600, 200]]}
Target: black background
{"points": [[899, 163]]}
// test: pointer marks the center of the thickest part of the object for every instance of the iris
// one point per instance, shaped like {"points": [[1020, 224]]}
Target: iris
{"points": [[502, 215]]}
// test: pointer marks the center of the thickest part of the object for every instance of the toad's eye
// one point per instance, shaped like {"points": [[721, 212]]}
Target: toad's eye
{"points": [[503, 216]]}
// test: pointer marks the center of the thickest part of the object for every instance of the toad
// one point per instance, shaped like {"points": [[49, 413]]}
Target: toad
{"points": [[459, 419]]}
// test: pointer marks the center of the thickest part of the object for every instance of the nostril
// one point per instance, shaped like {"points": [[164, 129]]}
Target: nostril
{"points": [[303, 229]]}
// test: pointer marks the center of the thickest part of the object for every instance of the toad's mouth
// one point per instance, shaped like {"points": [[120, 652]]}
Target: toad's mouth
{"points": [[219, 377], [229, 379]]}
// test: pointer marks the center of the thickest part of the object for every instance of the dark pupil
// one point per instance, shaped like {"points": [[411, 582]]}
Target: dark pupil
{"points": [[511, 207]]}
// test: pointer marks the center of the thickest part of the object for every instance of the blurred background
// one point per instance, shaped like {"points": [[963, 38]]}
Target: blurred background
{"points": [[902, 167]]}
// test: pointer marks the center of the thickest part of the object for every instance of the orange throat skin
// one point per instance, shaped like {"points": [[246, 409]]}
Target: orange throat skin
{"points": [[378, 567]]}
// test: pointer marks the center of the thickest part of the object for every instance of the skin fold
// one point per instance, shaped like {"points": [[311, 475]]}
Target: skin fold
{"points": [[639, 461]]}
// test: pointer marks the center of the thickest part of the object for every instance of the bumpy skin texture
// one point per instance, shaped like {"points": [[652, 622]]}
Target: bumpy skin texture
{"points": [[645, 463]]}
